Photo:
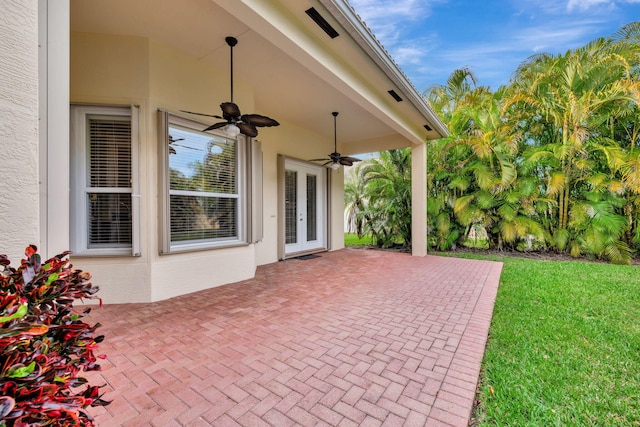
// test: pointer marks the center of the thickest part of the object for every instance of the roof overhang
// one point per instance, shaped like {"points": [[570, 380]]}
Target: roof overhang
{"points": [[298, 73]]}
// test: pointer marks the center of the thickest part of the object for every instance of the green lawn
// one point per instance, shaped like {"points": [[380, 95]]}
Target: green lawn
{"points": [[564, 346], [351, 239]]}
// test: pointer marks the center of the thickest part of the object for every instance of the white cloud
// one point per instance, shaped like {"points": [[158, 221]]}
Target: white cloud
{"points": [[495, 47], [409, 54], [555, 36], [374, 11], [537, 7], [494, 59], [388, 19], [583, 5]]}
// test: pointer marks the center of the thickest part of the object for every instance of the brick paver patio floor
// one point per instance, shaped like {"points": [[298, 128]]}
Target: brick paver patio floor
{"points": [[353, 337]]}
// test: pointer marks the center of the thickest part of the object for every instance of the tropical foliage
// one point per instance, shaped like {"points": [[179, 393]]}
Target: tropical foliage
{"points": [[550, 161], [378, 198], [44, 344]]}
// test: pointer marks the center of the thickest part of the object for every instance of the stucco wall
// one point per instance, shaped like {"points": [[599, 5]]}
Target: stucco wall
{"points": [[126, 70], [19, 205], [132, 70], [113, 70], [179, 82]]}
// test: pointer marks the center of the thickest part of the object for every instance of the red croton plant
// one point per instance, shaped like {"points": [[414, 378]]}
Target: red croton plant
{"points": [[44, 344]]}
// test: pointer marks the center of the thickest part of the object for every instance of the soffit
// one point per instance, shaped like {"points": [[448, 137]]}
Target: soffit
{"points": [[281, 53]]}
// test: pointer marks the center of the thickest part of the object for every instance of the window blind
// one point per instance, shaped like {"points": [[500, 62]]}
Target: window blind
{"points": [[109, 152], [110, 216], [203, 218]]}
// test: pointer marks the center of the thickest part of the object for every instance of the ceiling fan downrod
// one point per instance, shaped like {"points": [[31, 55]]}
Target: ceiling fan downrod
{"points": [[231, 41], [335, 132]]}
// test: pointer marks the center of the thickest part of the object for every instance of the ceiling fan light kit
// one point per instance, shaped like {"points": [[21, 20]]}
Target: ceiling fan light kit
{"points": [[232, 130], [234, 122]]}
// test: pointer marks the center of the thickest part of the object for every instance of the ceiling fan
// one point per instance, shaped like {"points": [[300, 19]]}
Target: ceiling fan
{"points": [[235, 122], [335, 159]]}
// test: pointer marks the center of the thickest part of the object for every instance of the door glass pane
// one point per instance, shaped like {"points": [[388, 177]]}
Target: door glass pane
{"points": [[312, 220], [291, 206]]}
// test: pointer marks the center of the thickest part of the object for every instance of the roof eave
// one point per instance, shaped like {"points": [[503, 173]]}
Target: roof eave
{"points": [[343, 13]]}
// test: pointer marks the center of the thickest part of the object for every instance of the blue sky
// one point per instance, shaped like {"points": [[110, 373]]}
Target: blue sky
{"points": [[429, 39]]}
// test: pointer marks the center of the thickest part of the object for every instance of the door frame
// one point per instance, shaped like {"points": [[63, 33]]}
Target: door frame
{"points": [[326, 198]]}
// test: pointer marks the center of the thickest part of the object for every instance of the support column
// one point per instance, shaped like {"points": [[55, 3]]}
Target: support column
{"points": [[419, 200], [54, 57]]}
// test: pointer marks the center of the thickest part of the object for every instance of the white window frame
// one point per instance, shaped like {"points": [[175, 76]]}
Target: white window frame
{"points": [[79, 210], [165, 119]]}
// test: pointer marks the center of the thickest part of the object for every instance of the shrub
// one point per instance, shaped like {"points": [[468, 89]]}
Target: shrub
{"points": [[44, 344]]}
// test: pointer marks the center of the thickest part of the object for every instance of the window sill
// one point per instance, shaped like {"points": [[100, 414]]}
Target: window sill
{"points": [[104, 253], [201, 247]]}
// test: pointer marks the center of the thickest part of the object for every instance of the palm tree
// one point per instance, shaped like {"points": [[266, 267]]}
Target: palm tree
{"points": [[569, 98], [355, 200], [481, 158], [448, 174], [626, 129], [444, 185], [387, 183]]}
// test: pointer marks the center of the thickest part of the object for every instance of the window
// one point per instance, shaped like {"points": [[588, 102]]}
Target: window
{"points": [[204, 187], [104, 197]]}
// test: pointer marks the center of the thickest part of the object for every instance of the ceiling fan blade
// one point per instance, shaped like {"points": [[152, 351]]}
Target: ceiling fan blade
{"points": [[350, 159], [247, 129], [201, 114], [345, 162], [215, 126], [230, 110], [259, 120], [318, 160]]}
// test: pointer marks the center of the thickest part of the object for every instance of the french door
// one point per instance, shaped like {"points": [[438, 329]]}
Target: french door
{"points": [[305, 198]]}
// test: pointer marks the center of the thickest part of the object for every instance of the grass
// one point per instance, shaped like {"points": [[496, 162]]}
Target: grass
{"points": [[351, 239], [564, 346]]}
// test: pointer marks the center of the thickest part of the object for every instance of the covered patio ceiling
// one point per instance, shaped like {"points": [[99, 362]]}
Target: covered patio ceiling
{"points": [[289, 61]]}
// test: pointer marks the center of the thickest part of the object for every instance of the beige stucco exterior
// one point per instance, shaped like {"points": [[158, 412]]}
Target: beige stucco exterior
{"points": [[19, 207], [288, 67], [124, 70]]}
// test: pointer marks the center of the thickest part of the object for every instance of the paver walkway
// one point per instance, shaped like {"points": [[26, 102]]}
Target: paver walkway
{"points": [[353, 337]]}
